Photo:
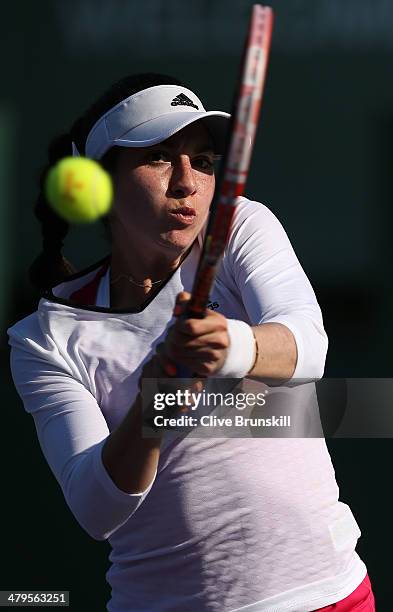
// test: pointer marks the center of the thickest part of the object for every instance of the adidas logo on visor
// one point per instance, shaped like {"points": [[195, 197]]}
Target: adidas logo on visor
{"points": [[183, 100]]}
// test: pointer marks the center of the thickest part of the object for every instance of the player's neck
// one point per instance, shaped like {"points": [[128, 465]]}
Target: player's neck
{"points": [[133, 280]]}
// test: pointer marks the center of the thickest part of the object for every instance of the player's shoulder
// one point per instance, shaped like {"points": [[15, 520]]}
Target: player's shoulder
{"points": [[28, 327], [43, 336], [253, 218], [58, 311], [247, 210], [33, 332]]}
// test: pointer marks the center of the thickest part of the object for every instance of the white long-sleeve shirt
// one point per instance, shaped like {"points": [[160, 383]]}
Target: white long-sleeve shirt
{"points": [[227, 524]]}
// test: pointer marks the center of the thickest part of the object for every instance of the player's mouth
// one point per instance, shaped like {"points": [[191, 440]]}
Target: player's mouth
{"points": [[185, 214]]}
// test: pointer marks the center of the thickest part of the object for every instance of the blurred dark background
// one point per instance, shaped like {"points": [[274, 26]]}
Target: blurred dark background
{"points": [[322, 163]]}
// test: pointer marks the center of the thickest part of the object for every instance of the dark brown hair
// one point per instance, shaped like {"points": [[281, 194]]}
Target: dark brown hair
{"points": [[51, 267]]}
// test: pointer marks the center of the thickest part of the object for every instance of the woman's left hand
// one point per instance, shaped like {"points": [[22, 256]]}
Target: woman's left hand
{"points": [[201, 345]]}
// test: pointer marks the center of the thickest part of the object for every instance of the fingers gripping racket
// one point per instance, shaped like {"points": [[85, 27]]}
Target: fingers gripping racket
{"points": [[236, 158]]}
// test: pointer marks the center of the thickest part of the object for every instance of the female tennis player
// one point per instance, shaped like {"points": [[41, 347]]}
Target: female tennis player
{"points": [[195, 523]]}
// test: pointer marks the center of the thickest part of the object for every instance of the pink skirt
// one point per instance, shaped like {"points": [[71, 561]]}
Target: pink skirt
{"points": [[361, 600]]}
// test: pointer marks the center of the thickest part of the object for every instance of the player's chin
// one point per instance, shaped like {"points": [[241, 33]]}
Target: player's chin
{"points": [[179, 240]]}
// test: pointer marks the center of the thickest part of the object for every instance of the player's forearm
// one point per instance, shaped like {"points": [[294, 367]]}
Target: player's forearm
{"points": [[277, 352], [131, 460]]}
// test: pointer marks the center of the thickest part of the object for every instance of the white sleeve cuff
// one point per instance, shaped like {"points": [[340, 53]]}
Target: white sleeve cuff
{"points": [[102, 507], [107, 483], [310, 354]]}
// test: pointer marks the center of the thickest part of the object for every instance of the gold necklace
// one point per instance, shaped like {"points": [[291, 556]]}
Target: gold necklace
{"points": [[134, 282]]}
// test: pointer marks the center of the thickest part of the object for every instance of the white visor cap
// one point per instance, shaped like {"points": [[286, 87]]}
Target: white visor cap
{"points": [[151, 116]]}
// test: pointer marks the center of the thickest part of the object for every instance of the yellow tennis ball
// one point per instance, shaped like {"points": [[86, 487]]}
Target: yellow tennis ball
{"points": [[79, 189]]}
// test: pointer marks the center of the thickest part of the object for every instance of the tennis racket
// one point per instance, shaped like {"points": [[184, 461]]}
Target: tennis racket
{"points": [[236, 161], [237, 156]]}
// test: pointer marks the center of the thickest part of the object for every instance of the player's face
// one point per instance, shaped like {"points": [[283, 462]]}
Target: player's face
{"points": [[163, 192]]}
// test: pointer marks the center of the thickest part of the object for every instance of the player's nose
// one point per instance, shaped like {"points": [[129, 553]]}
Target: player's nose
{"points": [[182, 182]]}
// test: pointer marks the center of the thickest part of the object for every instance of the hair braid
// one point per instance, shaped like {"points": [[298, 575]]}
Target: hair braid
{"points": [[51, 267]]}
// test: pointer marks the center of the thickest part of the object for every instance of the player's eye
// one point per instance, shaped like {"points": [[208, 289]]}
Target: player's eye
{"points": [[158, 155], [204, 162]]}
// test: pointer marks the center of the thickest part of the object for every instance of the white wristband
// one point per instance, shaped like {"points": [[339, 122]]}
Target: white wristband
{"points": [[241, 352]]}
